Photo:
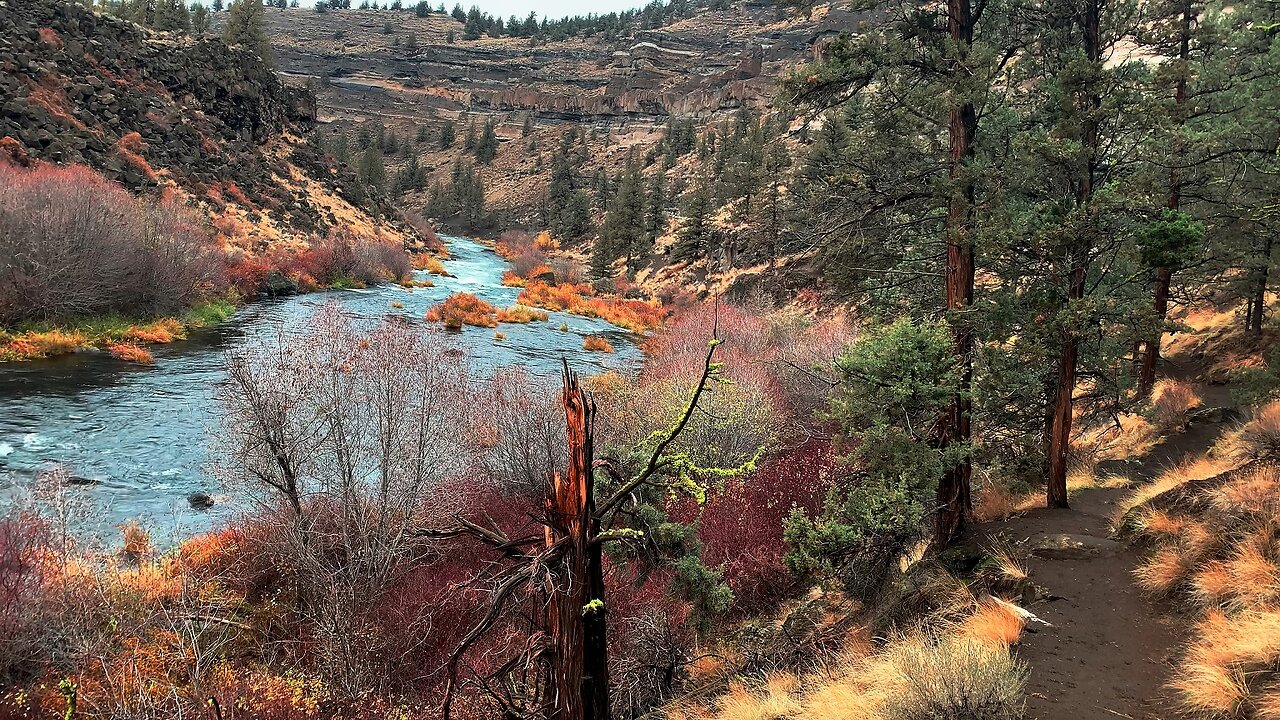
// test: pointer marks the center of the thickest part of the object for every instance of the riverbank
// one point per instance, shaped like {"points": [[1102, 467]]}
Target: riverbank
{"points": [[123, 337]]}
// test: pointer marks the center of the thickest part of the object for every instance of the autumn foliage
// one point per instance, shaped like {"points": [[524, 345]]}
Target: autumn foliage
{"points": [[636, 315]]}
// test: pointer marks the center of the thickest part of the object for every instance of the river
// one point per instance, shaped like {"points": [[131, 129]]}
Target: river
{"points": [[136, 436]]}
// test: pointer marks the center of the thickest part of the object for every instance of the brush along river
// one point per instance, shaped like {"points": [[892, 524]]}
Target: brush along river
{"points": [[136, 437]]}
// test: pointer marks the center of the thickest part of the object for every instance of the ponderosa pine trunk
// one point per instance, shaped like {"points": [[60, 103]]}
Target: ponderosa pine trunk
{"points": [[955, 426], [578, 687], [1090, 20], [1164, 274], [1257, 301]]}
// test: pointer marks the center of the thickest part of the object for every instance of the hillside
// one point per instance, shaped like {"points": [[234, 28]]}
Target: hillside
{"points": [[617, 93], [165, 112]]}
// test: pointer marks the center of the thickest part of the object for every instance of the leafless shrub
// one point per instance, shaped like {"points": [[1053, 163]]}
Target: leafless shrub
{"points": [[350, 443], [521, 428], [78, 244]]}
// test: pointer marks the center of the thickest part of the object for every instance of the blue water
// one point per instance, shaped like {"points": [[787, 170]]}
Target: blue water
{"points": [[138, 436]]}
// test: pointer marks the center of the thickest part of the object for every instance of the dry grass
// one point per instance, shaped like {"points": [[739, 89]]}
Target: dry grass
{"points": [[1159, 524], [463, 309], [37, 345], [1171, 404], [996, 502], [1256, 491], [1006, 563], [1199, 468], [995, 622], [131, 353], [430, 263], [1260, 437], [136, 541], [165, 330], [958, 668], [1132, 436], [1162, 572], [522, 314], [772, 701], [1210, 689], [1220, 550], [596, 344], [1268, 707]]}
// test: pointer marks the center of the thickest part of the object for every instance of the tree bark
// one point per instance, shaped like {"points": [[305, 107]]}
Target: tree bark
{"points": [[1090, 20], [955, 425], [1164, 274], [579, 682], [1258, 298]]}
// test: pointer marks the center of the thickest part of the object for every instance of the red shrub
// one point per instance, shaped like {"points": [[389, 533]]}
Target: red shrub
{"points": [[23, 542], [50, 37], [741, 526], [96, 249]]}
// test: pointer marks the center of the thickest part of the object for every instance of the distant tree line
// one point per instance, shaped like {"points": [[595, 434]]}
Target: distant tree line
{"points": [[477, 23]]}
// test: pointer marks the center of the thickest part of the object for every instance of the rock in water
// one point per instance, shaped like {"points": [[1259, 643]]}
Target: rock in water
{"points": [[200, 500]]}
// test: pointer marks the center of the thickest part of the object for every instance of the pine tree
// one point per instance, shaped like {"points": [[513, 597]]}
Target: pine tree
{"points": [[448, 133], [486, 147], [341, 147], [246, 26], [655, 213], [622, 234], [568, 211], [200, 22], [695, 240], [373, 171]]}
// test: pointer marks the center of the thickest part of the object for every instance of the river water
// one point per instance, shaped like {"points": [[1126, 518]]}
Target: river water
{"points": [[137, 436]]}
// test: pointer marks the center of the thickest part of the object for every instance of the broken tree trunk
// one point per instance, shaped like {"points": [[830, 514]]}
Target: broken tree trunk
{"points": [[579, 682]]}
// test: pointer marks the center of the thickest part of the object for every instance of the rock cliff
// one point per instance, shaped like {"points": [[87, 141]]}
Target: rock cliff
{"points": [[157, 111]]}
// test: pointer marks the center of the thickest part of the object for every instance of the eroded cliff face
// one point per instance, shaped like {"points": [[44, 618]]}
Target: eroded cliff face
{"points": [[405, 72], [166, 113], [396, 64]]}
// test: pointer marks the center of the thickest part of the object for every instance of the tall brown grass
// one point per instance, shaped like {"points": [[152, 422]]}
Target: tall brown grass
{"points": [[1219, 550], [1171, 404]]}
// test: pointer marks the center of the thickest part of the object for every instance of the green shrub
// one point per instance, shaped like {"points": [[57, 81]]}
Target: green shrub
{"points": [[956, 679]]}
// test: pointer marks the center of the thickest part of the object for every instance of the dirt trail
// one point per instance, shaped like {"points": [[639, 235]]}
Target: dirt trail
{"points": [[1109, 651]]}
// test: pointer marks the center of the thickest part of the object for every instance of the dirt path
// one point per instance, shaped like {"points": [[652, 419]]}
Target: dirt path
{"points": [[1109, 651]]}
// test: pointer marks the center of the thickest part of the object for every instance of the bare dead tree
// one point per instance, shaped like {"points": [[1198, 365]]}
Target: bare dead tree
{"points": [[564, 566], [350, 443]]}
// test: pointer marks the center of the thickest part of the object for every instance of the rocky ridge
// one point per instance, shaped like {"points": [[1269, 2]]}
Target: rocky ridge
{"points": [[157, 111]]}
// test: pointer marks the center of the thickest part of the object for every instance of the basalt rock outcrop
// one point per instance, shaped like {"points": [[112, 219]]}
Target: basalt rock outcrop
{"points": [[152, 109], [395, 65]]}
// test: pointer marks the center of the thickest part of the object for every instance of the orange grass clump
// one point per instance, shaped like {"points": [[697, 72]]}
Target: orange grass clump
{"points": [[995, 622], [635, 315], [37, 345], [596, 344], [430, 263], [464, 309], [130, 148], [1172, 402], [136, 540], [1261, 435], [522, 314], [130, 353], [165, 330]]}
